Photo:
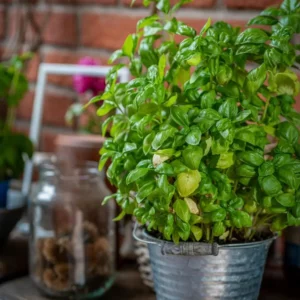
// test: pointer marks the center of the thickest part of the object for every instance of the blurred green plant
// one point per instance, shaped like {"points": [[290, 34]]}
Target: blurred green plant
{"points": [[191, 148], [14, 147]]}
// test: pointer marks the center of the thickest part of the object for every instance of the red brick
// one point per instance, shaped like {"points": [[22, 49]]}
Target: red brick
{"points": [[60, 28], [55, 107], [195, 3], [297, 105], [106, 30], [75, 2], [67, 57], [252, 4], [47, 141], [2, 23]]}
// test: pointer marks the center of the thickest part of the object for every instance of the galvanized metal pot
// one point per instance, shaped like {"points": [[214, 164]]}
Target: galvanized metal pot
{"points": [[201, 271]]}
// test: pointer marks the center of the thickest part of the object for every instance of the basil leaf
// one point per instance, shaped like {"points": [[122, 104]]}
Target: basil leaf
{"points": [[182, 210], [194, 136], [263, 20], [197, 232], [192, 156], [288, 132], [136, 174], [218, 229], [266, 169], [161, 137], [270, 185], [251, 157], [218, 215], [229, 109], [252, 36], [286, 199], [145, 191], [187, 182], [179, 116], [225, 160]]}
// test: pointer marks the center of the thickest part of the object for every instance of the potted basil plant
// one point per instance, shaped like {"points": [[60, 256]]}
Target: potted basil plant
{"points": [[205, 148]]}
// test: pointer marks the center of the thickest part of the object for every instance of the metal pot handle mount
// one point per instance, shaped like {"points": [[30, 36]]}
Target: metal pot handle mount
{"points": [[169, 248]]}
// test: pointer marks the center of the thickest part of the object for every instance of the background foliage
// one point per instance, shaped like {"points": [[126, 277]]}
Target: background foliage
{"points": [[14, 147]]}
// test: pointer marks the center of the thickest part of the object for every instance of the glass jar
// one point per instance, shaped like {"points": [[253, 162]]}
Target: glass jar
{"points": [[72, 244]]}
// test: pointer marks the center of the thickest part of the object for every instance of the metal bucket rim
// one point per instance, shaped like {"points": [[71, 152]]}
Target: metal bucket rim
{"points": [[154, 240]]}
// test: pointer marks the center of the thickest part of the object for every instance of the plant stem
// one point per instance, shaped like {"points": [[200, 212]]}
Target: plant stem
{"points": [[230, 234], [266, 108], [235, 186], [11, 113]]}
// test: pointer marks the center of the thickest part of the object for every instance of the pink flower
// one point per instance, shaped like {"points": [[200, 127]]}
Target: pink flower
{"points": [[83, 83]]}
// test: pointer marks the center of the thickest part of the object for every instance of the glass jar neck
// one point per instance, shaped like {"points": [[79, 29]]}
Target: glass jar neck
{"points": [[64, 174]]}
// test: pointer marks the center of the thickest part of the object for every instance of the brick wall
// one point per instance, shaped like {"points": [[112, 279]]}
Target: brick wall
{"points": [[77, 28]]}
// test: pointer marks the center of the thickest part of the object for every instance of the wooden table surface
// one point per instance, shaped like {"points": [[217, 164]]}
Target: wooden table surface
{"points": [[128, 286]]}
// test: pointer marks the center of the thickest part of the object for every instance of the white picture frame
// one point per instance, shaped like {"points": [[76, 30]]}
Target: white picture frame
{"points": [[46, 69]]}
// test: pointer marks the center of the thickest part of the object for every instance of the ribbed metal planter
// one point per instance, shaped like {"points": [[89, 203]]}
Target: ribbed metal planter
{"points": [[200, 271]]}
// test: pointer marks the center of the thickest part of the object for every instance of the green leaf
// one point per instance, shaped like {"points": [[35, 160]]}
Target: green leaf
{"points": [[197, 232], [225, 160], [290, 5], [145, 191], [228, 108], [179, 116], [179, 167], [120, 216], [224, 75], [272, 58], [188, 182], [270, 185], [128, 147], [252, 36], [251, 157], [242, 116], [266, 169], [136, 174], [108, 198], [147, 142], [194, 136], [165, 168], [105, 108], [288, 132], [286, 199], [255, 79], [236, 203], [161, 66], [263, 20], [161, 137], [186, 30], [279, 223], [164, 5], [171, 101], [194, 60], [218, 229], [192, 156], [245, 171], [117, 54], [128, 46], [240, 219], [146, 21], [287, 175], [206, 26], [218, 215], [182, 210], [192, 205]]}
